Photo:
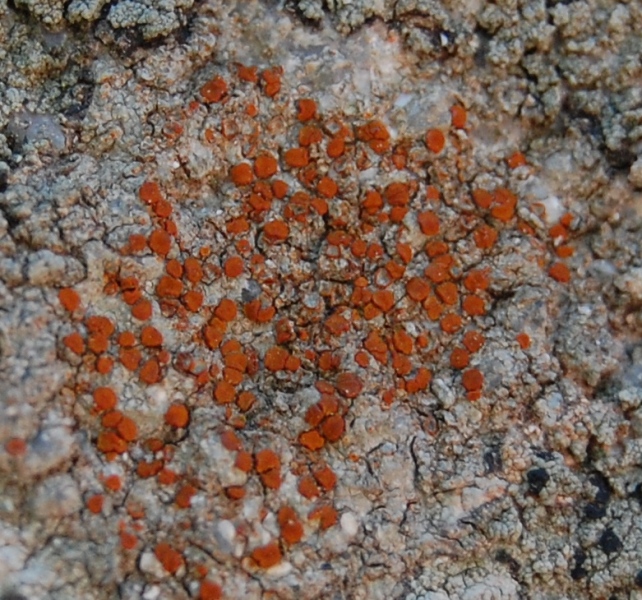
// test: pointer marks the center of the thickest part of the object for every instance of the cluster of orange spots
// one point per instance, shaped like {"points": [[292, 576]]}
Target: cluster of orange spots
{"points": [[376, 135], [559, 234], [387, 279], [271, 80], [326, 416], [268, 466], [278, 358]]}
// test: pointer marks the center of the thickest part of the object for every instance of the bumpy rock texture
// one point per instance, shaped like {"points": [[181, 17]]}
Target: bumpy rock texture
{"points": [[320, 300]]}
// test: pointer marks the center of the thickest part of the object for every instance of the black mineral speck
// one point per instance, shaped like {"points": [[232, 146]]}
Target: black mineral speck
{"points": [[638, 579], [578, 571], [537, 479], [594, 511], [600, 482], [610, 542]]}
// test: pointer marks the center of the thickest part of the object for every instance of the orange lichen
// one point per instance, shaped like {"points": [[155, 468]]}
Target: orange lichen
{"points": [[267, 556], [224, 392], [459, 358], [308, 488], [383, 299], [397, 194], [74, 341], [290, 526], [150, 193], [474, 306], [485, 237], [169, 287], [336, 147], [184, 496], [100, 325], [214, 90], [15, 446], [349, 384], [151, 337], [472, 380], [418, 289], [275, 358], [105, 399], [310, 134], [515, 160], [127, 429], [150, 372], [325, 514], [142, 310], [376, 134], [327, 187], [193, 300], [402, 341], [451, 323], [448, 293], [108, 441], [326, 478], [435, 140], [524, 340], [271, 479], [160, 242], [244, 461], [130, 358], [458, 116], [473, 340], [247, 74], [170, 558], [242, 174], [307, 109], [333, 428], [297, 158], [265, 166], [95, 503], [312, 440], [272, 81], [113, 483], [177, 415], [128, 541], [69, 299], [193, 270], [226, 310], [560, 272], [276, 231], [208, 590], [482, 198], [266, 460]]}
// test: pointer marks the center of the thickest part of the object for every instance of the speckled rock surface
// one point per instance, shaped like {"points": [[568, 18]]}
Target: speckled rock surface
{"points": [[320, 300]]}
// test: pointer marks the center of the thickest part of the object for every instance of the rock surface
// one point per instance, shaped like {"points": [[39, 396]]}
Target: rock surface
{"points": [[320, 299]]}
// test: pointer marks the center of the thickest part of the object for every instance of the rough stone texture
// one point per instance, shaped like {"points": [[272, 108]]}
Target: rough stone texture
{"points": [[530, 487]]}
